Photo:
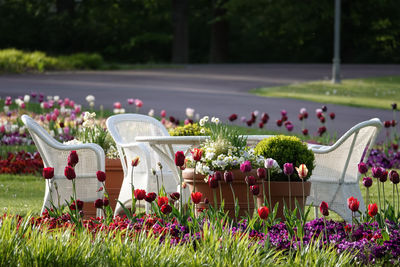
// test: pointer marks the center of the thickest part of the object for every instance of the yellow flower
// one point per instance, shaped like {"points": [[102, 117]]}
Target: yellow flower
{"points": [[302, 171]]}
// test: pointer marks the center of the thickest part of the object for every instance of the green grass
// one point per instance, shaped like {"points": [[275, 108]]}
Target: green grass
{"points": [[369, 92], [28, 246], [20, 194]]}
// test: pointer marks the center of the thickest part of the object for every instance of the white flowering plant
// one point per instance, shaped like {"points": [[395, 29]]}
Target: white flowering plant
{"points": [[94, 131], [225, 150]]}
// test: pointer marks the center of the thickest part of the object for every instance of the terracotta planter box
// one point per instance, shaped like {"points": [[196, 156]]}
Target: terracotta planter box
{"points": [[115, 176], [279, 192]]}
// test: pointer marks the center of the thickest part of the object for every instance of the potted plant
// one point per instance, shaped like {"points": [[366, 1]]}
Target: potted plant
{"points": [[223, 155], [224, 152], [290, 185]]}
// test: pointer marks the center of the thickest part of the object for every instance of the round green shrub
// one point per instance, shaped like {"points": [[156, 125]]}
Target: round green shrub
{"points": [[286, 149]]}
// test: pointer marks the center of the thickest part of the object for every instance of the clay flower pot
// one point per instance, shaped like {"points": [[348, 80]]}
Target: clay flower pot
{"points": [[115, 176], [279, 192]]}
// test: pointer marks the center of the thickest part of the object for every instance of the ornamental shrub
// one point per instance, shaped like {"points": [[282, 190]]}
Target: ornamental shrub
{"points": [[286, 149], [191, 129]]}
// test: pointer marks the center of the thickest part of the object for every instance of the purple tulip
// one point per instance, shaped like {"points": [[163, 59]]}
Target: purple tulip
{"points": [[384, 176], [218, 175], [367, 182], [288, 168], [362, 168], [377, 172], [212, 182], [394, 177]]}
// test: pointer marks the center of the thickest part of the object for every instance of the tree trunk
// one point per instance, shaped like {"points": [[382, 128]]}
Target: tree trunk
{"points": [[180, 44], [219, 33], [65, 6]]}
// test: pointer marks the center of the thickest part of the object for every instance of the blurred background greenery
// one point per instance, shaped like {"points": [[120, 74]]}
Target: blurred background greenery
{"points": [[202, 31]]}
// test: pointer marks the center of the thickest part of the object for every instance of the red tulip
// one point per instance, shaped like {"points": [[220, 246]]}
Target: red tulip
{"points": [[305, 132], [101, 176], [233, 117], [212, 181], [139, 194], [48, 173], [218, 175], [69, 172], [196, 197], [135, 161], [106, 202], [255, 189], [197, 153], [228, 177], [263, 212], [387, 124], [332, 115], [353, 204], [261, 173], [78, 203], [323, 208], [150, 197], [73, 158], [250, 180], [372, 209], [162, 201], [166, 209], [175, 196], [179, 158], [279, 123], [98, 203]]}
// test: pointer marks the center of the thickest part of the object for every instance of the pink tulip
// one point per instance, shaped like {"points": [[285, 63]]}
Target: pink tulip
{"points": [[117, 105], [130, 101], [138, 103], [71, 103], [163, 113]]}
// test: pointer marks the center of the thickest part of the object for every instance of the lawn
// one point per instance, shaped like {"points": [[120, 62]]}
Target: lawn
{"points": [[369, 92], [21, 194]]}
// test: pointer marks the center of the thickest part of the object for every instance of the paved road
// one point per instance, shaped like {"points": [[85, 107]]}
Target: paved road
{"points": [[217, 90]]}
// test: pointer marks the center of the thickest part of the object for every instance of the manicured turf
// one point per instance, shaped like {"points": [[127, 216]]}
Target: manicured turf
{"points": [[369, 92], [20, 194]]}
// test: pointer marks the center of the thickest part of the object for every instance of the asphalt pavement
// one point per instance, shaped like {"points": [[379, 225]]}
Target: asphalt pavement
{"points": [[216, 90]]}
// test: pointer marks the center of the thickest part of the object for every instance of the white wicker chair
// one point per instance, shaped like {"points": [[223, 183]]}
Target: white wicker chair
{"points": [[124, 128], [336, 177], [55, 154]]}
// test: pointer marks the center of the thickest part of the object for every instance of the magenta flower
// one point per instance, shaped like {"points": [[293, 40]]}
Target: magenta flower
{"points": [[245, 166], [377, 172], [288, 168], [228, 177], [394, 177], [367, 182], [362, 168]]}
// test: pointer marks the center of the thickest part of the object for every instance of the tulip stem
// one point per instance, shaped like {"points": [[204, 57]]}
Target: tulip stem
{"points": [[265, 198], [394, 202], [234, 199], [180, 191], [290, 194], [367, 198], [302, 183], [398, 206], [215, 198], [384, 200], [248, 199], [220, 192], [379, 196], [269, 188], [194, 177], [326, 231], [255, 206]]}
